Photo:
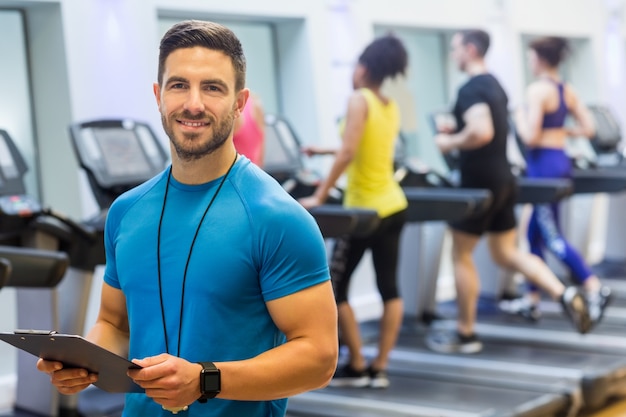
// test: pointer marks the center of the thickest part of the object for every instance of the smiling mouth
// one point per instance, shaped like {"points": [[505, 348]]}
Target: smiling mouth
{"points": [[193, 124]]}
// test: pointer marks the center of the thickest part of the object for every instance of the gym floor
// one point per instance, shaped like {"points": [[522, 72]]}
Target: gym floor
{"points": [[617, 409]]}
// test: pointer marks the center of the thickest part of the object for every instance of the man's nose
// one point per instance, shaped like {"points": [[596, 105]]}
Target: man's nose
{"points": [[194, 103]]}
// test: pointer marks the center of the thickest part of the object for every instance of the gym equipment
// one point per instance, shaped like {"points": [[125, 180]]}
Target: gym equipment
{"points": [[283, 161], [41, 293], [417, 387]]}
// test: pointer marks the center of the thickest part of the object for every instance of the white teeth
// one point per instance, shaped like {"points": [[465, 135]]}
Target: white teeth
{"points": [[193, 124]]}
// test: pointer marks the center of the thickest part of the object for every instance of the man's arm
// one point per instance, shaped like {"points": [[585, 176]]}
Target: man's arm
{"points": [[478, 131], [111, 329], [110, 332], [306, 361]]}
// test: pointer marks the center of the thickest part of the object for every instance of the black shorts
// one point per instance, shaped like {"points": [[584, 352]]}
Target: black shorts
{"points": [[499, 216]]}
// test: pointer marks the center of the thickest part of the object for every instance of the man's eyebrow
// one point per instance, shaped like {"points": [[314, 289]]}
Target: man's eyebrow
{"points": [[215, 81], [176, 79], [204, 83]]}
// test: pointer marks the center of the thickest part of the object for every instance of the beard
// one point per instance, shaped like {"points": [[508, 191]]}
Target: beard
{"points": [[191, 147]]}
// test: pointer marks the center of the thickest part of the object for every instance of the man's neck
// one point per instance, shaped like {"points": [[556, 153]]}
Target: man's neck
{"points": [[476, 67], [205, 169]]}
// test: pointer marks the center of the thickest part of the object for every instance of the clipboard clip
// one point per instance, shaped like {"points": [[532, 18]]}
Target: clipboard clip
{"points": [[33, 331]]}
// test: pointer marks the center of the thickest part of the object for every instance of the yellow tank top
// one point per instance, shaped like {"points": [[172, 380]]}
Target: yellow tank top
{"points": [[370, 182]]}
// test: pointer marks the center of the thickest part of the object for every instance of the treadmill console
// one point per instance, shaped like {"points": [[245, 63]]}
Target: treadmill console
{"points": [[19, 205], [283, 160], [282, 149], [117, 155]]}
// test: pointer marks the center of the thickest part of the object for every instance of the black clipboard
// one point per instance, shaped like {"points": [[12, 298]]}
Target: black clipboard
{"points": [[77, 352]]}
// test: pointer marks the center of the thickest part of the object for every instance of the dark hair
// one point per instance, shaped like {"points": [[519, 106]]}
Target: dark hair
{"points": [[190, 33], [384, 57], [477, 37], [550, 49]]}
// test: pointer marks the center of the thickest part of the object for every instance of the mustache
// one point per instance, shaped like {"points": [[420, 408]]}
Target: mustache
{"points": [[185, 114]]}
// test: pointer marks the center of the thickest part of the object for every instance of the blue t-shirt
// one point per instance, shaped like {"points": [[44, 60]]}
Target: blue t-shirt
{"points": [[256, 244]]}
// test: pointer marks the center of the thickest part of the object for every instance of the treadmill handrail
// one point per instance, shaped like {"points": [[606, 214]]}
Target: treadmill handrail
{"points": [[429, 204], [361, 222], [543, 190], [598, 180], [34, 268]]}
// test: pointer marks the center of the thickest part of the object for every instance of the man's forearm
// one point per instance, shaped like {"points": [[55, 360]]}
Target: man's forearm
{"points": [[109, 337], [467, 139]]}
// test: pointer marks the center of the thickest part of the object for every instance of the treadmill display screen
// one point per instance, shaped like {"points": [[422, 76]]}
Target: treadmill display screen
{"points": [[275, 154], [282, 153], [122, 152]]}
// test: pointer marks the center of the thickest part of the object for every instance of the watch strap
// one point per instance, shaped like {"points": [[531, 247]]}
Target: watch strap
{"points": [[205, 394]]}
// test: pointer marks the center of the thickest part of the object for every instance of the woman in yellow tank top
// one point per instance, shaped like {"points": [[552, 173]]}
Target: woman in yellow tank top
{"points": [[372, 125]]}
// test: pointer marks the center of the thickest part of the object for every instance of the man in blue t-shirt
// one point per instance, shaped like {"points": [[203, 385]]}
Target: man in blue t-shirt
{"points": [[216, 280]]}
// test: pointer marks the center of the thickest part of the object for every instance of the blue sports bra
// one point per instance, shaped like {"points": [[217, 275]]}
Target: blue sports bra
{"points": [[556, 119]]}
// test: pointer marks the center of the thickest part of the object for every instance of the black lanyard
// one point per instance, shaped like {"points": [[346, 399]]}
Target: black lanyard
{"points": [[158, 254]]}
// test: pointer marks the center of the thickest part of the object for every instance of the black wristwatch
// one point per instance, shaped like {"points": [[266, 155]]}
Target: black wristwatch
{"points": [[210, 381]]}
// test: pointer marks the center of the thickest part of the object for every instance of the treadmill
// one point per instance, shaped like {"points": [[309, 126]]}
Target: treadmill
{"points": [[41, 244], [429, 384], [593, 378], [609, 154], [606, 162], [599, 372], [419, 388], [116, 155], [283, 161], [605, 172]]}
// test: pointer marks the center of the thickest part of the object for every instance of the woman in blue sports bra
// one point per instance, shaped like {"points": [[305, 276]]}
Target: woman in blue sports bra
{"points": [[541, 125]]}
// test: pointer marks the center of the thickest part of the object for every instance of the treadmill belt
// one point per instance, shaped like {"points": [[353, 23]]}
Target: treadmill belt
{"points": [[410, 396], [594, 361]]}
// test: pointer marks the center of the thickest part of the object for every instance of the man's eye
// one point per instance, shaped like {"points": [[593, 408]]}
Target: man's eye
{"points": [[178, 85]]}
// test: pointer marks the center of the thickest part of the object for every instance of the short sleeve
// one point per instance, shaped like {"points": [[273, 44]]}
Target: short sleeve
{"points": [[293, 253]]}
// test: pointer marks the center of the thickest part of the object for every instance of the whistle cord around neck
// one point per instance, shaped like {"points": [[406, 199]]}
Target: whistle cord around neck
{"points": [[182, 297]]}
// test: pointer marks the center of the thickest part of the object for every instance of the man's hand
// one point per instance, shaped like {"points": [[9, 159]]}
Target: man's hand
{"points": [[168, 380], [310, 202], [67, 381], [444, 142]]}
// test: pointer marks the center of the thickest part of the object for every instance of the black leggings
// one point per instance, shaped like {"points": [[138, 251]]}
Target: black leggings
{"points": [[384, 243]]}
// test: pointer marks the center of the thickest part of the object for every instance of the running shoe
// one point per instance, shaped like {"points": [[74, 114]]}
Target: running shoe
{"points": [[347, 376], [597, 303], [453, 342], [523, 307], [575, 306], [428, 317], [378, 378]]}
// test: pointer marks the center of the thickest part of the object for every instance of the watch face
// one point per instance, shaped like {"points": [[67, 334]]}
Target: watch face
{"points": [[211, 382]]}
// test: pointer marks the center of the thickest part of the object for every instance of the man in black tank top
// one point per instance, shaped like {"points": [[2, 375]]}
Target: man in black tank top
{"points": [[480, 138]]}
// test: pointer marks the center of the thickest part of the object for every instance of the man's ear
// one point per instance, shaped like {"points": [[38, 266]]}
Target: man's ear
{"points": [[473, 50], [156, 89], [240, 102]]}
